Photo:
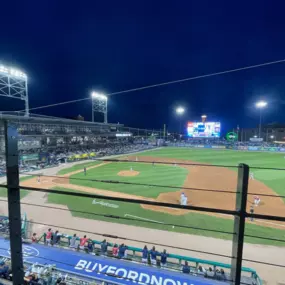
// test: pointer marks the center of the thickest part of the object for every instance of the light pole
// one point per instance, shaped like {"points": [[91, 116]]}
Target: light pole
{"points": [[14, 84], [99, 104], [180, 111], [260, 105]]}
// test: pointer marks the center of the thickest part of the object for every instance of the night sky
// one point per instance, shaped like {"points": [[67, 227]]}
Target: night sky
{"points": [[67, 49]]}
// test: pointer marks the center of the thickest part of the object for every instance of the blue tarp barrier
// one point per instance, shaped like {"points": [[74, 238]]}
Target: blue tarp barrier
{"points": [[100, 268]]}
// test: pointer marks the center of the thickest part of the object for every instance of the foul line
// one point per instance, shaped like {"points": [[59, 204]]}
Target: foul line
{"points": [[127, 215]]}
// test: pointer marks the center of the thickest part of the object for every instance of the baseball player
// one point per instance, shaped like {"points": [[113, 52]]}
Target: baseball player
{"points": [[39, 179], [252, 212], [131, 168], [185, 200], [251, 176], [85, 171], [137, 158], [256, 200]]}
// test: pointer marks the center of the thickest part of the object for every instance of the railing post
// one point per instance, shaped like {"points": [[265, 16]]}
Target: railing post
{"points": [[239, 223], [14, 207]]}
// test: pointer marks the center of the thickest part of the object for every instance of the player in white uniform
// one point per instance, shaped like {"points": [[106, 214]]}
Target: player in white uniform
{"points": [[39, 179], [183, 199], [256, 200], [251, 176]]}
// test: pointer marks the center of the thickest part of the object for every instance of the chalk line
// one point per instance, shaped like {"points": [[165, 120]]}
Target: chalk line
{"points": [[128, 215]]}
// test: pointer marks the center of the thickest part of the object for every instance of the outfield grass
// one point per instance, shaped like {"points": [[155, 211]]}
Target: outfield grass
{"points": [[195, 220], [275, 179], [157, 174], [23, 193], [76, 167]]}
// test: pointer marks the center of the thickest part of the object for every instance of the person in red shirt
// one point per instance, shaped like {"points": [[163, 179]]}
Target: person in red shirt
{"points": [[115, 250], [34, 238], [48, 236], [83, 241]]}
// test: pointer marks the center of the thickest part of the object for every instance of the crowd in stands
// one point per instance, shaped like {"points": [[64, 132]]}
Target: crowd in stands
{"points": [[222, 142], [151, 257], [55, 156]]}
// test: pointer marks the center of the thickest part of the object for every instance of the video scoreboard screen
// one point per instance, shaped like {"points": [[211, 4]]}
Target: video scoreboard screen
{"points": [[204, 130]]}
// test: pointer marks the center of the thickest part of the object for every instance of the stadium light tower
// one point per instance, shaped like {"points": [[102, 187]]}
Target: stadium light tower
{"points": [[180, 111], [99, 104], [260, 105], [14, 84]]}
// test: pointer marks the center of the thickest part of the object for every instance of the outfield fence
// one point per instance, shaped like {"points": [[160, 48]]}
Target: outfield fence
{"points": [[239, 214]]}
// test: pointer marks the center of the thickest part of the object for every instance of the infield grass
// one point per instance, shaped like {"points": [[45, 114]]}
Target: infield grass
{"points": [[157, 175]]}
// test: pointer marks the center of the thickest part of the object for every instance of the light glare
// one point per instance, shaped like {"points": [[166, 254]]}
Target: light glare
{"points": [[12, 71], [180, 110], [261, 104], [99, 96]]}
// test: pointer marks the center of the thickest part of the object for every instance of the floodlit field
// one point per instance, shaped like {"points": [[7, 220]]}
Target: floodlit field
{"points": [[271, 181]]}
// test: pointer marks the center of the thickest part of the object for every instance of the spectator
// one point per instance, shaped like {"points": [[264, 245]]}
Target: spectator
{"points": [[122, 251], [222, 276], [115, 250], [49, 235], [4, 269], [163, 258], [83, 242], [90, 246], [57, 237], [34, 238], [186, 268], [73, 241], [104, 247], [202, 270], [153, 255], [210, 273], [144, 255]]}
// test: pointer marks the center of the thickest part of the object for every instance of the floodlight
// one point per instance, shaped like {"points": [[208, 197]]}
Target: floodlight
{"points": [[180, 110], [99, 96], [14, 84], [261, 104], [99, 104]]}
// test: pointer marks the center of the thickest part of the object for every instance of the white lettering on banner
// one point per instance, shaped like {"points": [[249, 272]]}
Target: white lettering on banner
{"points": [[80, 264], [142, 276], [125, 273], [154, 280], [111, 270], [101, 268], [133, 275], [94, 267], [168, 281]]}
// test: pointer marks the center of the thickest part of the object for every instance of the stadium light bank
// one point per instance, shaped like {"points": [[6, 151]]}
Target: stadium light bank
{"points": [[14, 84], [260, 105], [99, 104]]}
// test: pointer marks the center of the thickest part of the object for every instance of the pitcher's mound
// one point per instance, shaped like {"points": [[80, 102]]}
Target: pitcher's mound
{"points": [[128, 173]]}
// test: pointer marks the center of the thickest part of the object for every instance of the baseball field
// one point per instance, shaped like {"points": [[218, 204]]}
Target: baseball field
{"points": [[165, 180]]}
